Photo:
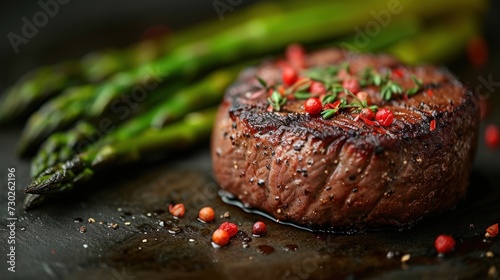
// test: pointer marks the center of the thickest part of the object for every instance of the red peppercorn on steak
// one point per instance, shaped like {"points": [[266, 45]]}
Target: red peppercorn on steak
{"points": [[344, 140]]}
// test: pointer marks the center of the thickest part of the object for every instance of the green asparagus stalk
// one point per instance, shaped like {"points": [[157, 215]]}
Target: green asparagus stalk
{"points": [[258, 36], [64, 176], [48, 81], [61, 112], [55, 115], [60, 146], [206, 92], [431, 46], [36, 87]]}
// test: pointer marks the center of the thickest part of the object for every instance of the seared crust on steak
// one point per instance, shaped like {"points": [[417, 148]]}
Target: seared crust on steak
{"points": [[341, 172]]}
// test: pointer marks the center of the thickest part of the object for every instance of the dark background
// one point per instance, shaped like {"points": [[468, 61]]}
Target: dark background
{"points": [[51, 246]]}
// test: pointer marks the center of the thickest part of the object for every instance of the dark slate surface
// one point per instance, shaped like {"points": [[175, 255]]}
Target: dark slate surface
{"points": [[49, 244]]}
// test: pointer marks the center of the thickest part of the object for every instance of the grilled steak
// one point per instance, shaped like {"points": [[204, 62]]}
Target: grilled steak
{"points": [[343, 172]]}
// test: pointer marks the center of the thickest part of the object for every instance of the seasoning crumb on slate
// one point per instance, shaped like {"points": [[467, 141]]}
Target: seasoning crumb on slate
{"points": [[405, 258], [144, 240], [226, 215], [91, 220], [191, 240], [85, 246], [83, 229], [492, 272], [127, 223], [390, 255], [114, 226]]}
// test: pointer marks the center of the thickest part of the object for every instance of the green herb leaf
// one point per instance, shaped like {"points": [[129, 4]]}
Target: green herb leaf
{"points": [[302, 95], [262, 82], [417, 81], [337, 88], [276, 100], [377, 80], [303, 87], [329, 113], [412, 91], [330, 98]]}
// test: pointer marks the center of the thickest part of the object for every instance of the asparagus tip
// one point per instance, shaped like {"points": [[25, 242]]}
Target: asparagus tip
{"points": [[34, 200]]}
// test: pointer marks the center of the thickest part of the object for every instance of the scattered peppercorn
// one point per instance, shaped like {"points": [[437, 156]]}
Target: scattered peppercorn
{"points": [[289, 76], [259, 229], [367, 113], [492, 230], [206, 214], [317, 88], [397, 73], [384, 117], [492, 136], [444, 244], [230, 228], [351, 84], [220, 237], [177, 210], [313, 106], [432, 125]]}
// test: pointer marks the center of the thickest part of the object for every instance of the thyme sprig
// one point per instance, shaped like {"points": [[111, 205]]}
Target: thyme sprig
{"points": [[356, 105], [276, 100], [371, 77], [329, 76], [389, 89], [418, 86]]}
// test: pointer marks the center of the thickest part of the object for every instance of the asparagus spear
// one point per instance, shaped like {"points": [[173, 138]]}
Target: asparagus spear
{"points": [[204, 93], [432, 46], [35, 87], [64, 176], [45, 82], [55, 115], [207, 92], [60, 146]]}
